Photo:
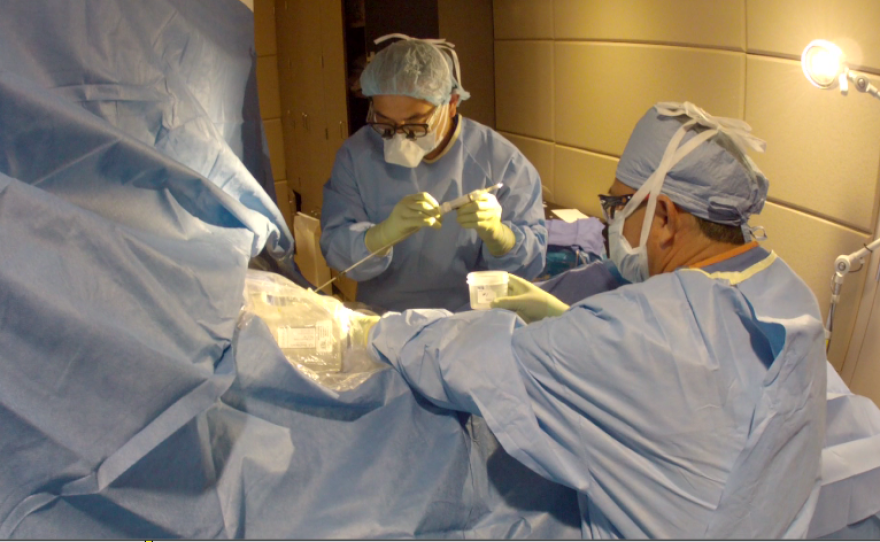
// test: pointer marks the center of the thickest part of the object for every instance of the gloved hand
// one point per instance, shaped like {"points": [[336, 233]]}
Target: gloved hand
{"points": [[530, 302], [411, 214], [359, 328], [484, 215]]}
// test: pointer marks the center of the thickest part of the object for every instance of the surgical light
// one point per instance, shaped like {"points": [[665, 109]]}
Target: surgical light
{"points": [[824, 65]]}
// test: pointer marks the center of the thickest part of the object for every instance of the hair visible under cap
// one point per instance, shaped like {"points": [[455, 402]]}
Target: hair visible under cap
{"points": [[721, 233]]}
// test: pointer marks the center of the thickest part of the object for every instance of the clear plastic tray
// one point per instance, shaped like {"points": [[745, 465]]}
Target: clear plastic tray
{"points": [[316, 333]]}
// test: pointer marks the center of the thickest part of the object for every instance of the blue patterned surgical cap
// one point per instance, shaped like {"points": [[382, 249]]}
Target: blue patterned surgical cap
{"points": [[716, 181]]}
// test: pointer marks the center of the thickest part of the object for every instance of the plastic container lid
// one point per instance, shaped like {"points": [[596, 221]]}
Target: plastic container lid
{"points": [[487, 278]]}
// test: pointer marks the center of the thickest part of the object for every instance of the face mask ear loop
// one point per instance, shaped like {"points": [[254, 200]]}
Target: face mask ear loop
{"points": [[456, 74], [437, 137], [437, 111]]}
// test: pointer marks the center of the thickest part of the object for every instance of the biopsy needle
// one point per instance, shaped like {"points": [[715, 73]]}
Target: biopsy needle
{"points": [[444, 208]]}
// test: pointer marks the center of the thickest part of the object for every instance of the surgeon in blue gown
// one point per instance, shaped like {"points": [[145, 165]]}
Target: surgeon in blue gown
{"points": [[687, 404], [417, 152]]}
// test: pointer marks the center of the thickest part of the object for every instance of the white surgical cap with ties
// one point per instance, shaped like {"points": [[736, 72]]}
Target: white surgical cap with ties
{"points": [[698, 161], [424, 69]]}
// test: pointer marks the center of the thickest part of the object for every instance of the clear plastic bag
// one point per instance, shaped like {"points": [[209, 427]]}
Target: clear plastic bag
{"points": [[316, 333]]}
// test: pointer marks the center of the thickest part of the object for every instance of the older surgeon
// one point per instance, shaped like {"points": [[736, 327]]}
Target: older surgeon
{"points": [[389, 178], [688, 404]]}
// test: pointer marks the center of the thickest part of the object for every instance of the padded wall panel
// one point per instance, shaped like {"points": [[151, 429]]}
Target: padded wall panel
{"points": [[603, 89], [580, 177], [702, 23], [523, 19], [823, 150], [524, 88], [787, 26]]}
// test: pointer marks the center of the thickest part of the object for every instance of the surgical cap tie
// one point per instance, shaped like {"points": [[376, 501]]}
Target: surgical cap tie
{"points": [[439, 44], [758, 233], [737, 130], [651, 189]]}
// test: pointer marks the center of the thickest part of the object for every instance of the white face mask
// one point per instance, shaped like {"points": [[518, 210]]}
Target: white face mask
{"points": [[410, 152], [631, 262]]}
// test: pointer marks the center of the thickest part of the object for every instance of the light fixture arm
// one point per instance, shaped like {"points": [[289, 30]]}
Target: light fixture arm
{"points": [[843, 263], [842, 267], [862, 84]]}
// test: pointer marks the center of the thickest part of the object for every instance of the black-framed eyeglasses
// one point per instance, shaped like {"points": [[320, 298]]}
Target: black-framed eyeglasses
{"points": [[612, 204], [410, 130]]}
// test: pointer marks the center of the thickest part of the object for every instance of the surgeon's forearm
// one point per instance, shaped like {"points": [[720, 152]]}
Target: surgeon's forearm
{"points": [[424, 345]]}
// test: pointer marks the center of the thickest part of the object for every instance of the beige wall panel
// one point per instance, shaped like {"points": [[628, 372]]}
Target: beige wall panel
{"points": [[523, 19], [468, 24], [822, 148], [602, 90], [810, 245], [264, 27], [705, 23], [524, 88], [580, 177], [275, 141], [540, 154], [267, 87], [787, 26]]}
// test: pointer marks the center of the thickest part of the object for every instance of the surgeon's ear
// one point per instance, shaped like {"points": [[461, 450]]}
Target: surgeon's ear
{"points": [[669, 220], [453, 105]]}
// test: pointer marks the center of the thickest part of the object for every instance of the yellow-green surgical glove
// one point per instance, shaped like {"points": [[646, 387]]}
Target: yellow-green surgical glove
{"points": [[484, 215], [411, 214], [530, 302]]}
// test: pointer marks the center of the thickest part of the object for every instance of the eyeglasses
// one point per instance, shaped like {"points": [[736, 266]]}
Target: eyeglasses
{"points": [[411, 131], [612, 204]]}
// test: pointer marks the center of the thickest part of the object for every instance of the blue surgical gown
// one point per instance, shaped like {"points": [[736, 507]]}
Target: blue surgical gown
{"points": [[691, 405], [428, 269]]}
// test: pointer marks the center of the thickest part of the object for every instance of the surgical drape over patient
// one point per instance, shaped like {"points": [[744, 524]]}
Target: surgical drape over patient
{"points": [[134, 400], [715, 181]]}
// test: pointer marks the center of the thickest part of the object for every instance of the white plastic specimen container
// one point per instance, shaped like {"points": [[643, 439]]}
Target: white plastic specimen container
{"points": [[485, 286]]}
